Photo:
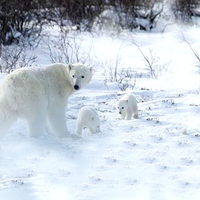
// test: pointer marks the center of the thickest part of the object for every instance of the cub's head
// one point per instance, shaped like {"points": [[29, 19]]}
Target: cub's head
{"points": [[95, 124], [122, 106], [79, 75]]}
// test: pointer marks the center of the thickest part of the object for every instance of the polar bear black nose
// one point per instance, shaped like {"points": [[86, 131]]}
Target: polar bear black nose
{"points": [[76, 87], [120, 113]]}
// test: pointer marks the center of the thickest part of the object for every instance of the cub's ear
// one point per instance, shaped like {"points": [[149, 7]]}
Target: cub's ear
{"points": [[91, 69]]}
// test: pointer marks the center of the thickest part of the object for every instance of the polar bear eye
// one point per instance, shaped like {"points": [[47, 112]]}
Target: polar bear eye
{"points": [[82, 77], [73, 76], [122, 107]]}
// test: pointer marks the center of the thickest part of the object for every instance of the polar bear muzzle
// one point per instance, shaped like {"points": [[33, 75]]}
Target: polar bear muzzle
{"points": [[77, 84]]}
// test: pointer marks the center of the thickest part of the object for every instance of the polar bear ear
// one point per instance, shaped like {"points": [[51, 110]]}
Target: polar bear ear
{"points": [[127, 101], [70, 67], [91, 69], [92, 118]]}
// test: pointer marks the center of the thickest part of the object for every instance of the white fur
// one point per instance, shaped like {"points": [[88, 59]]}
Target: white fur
{"points": [[127, 107], [39, 95], [89, 118]]}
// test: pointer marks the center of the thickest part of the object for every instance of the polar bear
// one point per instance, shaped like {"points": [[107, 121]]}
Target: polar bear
{"points": [[88, 117], [127, 107], [40, 95]]}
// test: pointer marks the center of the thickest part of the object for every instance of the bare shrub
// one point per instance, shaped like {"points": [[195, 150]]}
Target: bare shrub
{"points": [[79, 13], [125, 78], [108, 72], [138, 14], [184, 10], [195, 53], [14, 57], [152, 62], [20, 19], [111, 67], [66, 48]]}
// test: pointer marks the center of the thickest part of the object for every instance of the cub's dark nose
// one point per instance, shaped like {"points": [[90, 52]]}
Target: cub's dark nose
{"points": [[76, 87], [120, 113]]}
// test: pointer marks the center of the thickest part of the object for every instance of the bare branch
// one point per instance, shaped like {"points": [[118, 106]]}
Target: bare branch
{"points": [[191, 48]]}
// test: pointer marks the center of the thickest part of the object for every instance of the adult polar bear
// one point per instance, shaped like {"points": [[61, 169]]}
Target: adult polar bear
{"points": [[40, 95]]}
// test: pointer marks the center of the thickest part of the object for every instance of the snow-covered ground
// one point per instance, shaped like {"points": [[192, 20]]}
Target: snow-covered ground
{"points": [[154, 157]]}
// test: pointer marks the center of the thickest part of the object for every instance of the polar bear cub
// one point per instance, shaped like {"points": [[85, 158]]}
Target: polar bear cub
{"points": [[127, 107], [88, 117], [40, 95]]}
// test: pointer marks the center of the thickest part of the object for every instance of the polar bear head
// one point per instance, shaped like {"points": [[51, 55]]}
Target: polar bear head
{"points": [[122, 106], [79, 75], [88, 118], [95, 124]]}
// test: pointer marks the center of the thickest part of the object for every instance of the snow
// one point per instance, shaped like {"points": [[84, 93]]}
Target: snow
{"points": [[154, 157]]}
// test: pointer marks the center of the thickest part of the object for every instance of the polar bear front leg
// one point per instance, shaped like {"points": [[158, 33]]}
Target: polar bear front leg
{"points": [[79, 128], [91, 130], [123, 116], [129, 115], [57, 120]]}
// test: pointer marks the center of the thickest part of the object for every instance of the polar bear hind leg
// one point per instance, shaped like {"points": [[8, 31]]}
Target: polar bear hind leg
{"points": [[36, 123], [7, 118], [135, 111]]}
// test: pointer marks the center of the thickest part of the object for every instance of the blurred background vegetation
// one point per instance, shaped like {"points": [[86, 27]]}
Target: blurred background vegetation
{"points": [[26, 19]]}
